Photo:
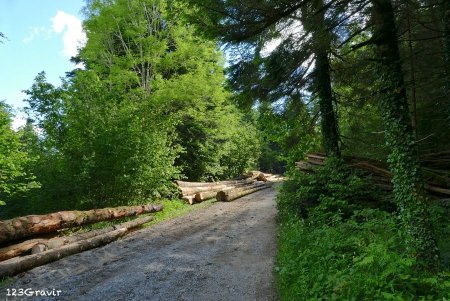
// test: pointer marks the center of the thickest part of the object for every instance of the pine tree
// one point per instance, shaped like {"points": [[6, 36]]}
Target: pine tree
{"points": [[301, 30]]}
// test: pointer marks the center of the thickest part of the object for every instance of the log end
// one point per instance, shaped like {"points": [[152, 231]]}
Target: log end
{"points": [[189, 199], [222, 196], [38, 248]]}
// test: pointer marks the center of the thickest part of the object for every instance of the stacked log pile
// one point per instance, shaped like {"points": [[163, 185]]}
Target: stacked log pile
{"points": [[18, 257], [196, 192], [231, 194], [32, 225], [436, 185]]}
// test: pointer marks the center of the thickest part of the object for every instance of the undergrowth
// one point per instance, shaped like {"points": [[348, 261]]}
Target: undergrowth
{"points": [[340, 239]]}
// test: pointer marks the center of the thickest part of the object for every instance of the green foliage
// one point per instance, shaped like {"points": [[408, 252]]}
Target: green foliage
{"points": [[352, 260], [183, 75], [14, 177], [288, 133], [333, 189], [103, 150], [342, 249], [149, 107]]}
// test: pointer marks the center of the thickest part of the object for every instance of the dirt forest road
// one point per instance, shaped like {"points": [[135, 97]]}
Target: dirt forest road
{"points": [[223, 252]]}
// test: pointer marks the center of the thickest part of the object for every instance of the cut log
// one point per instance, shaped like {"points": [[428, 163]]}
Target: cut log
{"points": [[18, 265], [372, 168], [41, 244], [188, 199], [381, 175], [196, 184], [194, 190], [58, 242], [233, 194], [252, 174], [203, 196], [237, 182], [30, 225], [261, 177], [439, 190], [18, 249], [316, 157]]}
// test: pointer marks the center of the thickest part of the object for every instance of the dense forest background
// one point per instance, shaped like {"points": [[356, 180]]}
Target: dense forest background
{"points": [[156, 101], [150, 106]]}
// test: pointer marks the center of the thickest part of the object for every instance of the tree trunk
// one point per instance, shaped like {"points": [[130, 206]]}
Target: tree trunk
{"points": [[30, 225], [412, 68], [322, 79], [18, 265], [403, 162], [446, 41]]}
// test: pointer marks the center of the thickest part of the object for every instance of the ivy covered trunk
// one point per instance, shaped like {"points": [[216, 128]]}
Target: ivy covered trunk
{"points": [[403, 163], [329, 124]]}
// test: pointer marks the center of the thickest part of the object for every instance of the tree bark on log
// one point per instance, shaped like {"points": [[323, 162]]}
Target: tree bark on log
{"points": [[233, 194], [183, 184], [194, 190], [42, 244], [203, 196], [19, 249], [18, 265], [58, 242], [197, 184], [30, 225]]}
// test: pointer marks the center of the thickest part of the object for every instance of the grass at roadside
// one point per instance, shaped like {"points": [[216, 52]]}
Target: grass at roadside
{"points": [[172, 209], [175, 208], [339, 240]]}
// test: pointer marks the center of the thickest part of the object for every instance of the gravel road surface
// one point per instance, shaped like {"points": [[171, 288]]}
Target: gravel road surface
{"points": [[223, 252]]}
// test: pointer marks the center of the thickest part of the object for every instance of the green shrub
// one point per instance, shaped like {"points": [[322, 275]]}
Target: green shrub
{"points": [[334, 244], [334, 187]]}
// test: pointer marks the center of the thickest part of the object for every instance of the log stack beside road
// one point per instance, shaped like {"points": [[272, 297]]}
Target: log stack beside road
{"points": [[196, 192], [20, 256], [438, 183]]}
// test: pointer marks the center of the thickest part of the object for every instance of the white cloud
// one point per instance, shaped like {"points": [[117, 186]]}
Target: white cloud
{"points": [[18, 122], [36, 32], [73, 35]]}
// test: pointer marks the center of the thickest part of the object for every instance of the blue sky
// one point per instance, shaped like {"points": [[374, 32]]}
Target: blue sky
{"points": [[42, 35]]}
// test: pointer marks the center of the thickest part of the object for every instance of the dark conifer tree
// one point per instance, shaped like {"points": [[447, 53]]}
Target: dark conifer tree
{"points": [[403, 162]]}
